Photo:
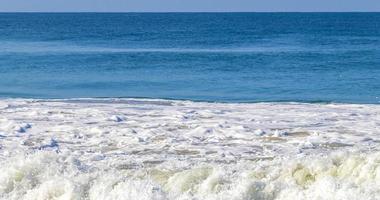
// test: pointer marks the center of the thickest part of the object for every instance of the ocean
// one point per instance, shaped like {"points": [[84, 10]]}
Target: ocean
{"points": [[222, 57], [189, 106]]}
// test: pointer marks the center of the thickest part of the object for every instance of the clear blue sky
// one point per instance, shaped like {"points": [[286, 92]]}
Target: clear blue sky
{"points": [[187, 5]]}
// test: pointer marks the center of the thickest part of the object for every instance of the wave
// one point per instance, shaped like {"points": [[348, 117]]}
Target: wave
{"points": [[47, 175], [100, 149]]}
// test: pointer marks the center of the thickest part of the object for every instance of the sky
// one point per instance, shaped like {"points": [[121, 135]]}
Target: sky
{"points": [[188, 5]]}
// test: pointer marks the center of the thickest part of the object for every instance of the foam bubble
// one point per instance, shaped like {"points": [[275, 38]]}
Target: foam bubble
{"points": [[78, 150]]}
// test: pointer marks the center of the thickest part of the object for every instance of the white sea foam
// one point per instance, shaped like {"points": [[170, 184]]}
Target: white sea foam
{"points": [[157, 149]]}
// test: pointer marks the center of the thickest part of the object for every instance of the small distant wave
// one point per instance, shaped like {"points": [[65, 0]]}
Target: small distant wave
{"points": [[145, 99], [56, 47]]}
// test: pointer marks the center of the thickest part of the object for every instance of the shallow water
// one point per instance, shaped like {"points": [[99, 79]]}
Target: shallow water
{"points": [[234, 57], [158, 149]]}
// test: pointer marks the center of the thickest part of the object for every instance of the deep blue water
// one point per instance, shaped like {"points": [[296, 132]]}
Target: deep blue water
{"points": [[239, 57]]}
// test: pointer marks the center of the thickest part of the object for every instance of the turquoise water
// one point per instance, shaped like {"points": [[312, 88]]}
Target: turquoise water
{"points": [[227, 57]]}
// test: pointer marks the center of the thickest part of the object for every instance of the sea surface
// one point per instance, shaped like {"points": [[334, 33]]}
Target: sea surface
{"points": [[222, 57], [190, 106]]}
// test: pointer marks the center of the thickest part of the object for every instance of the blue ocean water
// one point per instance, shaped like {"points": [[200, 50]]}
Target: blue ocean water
{"points": [[227, 57]]}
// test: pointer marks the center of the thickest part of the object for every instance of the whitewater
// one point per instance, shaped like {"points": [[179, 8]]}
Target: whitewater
{"points": [[142, 149]]}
